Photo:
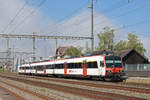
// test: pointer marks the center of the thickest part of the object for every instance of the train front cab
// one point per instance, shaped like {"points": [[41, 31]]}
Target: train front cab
{"points": [[114, 69]]}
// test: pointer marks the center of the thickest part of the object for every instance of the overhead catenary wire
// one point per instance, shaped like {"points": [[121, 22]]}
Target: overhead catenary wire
{"points": [[67, 16], [123, 14], [110, 9], [126, 13], [29, 15], [131, 25], [134, 24], [14, 18], [114, 7]]}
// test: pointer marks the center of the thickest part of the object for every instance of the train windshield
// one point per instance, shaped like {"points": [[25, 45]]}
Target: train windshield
{"points": [[113, 61]]}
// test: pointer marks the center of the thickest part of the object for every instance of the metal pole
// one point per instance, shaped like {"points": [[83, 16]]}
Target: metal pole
{"points": [[56, 43], [14, 58], [34, 46], [8, 44], [92, 26], [8, 53]]}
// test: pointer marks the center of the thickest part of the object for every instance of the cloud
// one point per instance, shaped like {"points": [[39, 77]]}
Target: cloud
{"points": [[78, 25], [33, 23]]}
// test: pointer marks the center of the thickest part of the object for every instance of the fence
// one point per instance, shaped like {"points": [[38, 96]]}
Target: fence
{"points": [[137, 67]]}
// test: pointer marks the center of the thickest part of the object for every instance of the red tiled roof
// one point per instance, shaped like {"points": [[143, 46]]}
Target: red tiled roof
{"points": [[61, 50]]}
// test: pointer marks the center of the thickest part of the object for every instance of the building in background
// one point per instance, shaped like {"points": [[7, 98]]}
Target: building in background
{"points": [[60, 52], [131, 57]]}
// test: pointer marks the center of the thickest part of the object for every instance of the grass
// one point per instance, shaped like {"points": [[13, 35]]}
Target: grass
{"points": [[42, 89], [2, 70]]}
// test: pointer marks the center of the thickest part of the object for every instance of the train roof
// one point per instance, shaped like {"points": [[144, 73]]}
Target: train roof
{"points": [[63, 59], [90, 54]]}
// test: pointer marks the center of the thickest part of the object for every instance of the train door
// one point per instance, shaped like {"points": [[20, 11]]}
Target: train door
{"points": [[65, 69], [35, 67], [44, 69], [53, 69], [84, 68], [24, 69], [31, 69], [102, 68]]}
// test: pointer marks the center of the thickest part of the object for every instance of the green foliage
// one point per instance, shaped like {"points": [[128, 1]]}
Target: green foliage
{"points": [[73, 51], [121, 45], [106, 42], [106, 39], [87, 49], [135, 43]]}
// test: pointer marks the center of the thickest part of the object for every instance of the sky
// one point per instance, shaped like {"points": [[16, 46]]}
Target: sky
{"points": [[71, 17]]}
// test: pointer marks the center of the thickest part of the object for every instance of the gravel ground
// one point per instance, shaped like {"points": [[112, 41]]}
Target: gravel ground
{"points": [[48, 92], [142, 80], [116, 91], [69, 96], [66, 96], [5, 95]]}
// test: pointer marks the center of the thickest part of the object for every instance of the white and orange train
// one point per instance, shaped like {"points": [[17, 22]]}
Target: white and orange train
{"points": [[99, 66]]}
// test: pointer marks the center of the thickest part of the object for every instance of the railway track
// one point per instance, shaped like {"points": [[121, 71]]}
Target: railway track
{"points": [[20, 93], [133, 87], [83, 89]]}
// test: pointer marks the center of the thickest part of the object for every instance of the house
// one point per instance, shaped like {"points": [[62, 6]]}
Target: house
{"points": [[131, 56], [60, 52]]}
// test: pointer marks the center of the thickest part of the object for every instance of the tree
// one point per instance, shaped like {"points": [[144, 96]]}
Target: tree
{"points": [[106, 39], [87, 49], [135, 43], [121, 45], [73, 51], [106, 42]]}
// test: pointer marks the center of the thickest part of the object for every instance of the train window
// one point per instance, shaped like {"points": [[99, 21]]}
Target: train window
{"points": [[40, 68], [92, 65], [27, 68], [76, 65], [69, 65], [89, 65], [56, 66], [101, 63], [65, 65], [62, 66], [59, 66], [34, 67], [73, 65], [80, 65], [48, 66]]}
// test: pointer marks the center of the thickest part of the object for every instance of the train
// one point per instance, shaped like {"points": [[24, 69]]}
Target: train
{"points": [[103, 67]]}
